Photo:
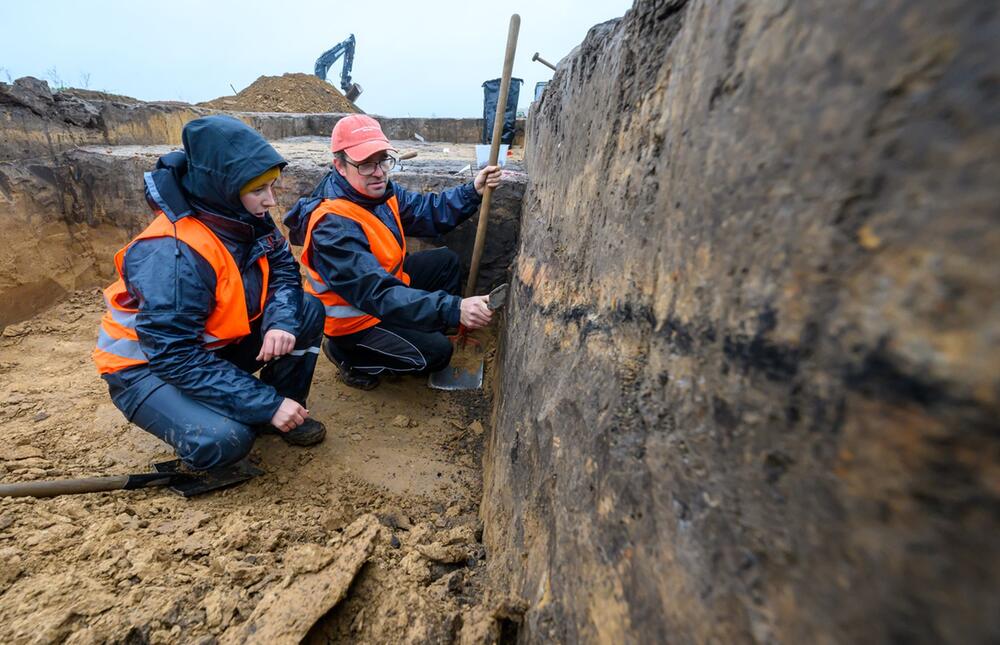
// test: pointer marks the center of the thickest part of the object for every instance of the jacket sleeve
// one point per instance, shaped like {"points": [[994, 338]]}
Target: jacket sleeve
{"points": [[340, 253], [433, 214], [283, 307], [175, 290]]}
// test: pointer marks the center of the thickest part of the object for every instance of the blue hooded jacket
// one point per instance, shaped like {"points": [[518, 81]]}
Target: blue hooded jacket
{"points": [[340, 252], [174, 287]]}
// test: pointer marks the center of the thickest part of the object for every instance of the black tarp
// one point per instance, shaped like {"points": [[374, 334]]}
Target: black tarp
{"points": [[491, 94]]}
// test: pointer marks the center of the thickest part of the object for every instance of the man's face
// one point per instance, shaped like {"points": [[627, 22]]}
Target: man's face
{"points": [[372, 185]]}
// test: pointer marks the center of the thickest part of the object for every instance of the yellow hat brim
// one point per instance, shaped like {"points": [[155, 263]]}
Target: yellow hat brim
{"points": [[260, 180]]}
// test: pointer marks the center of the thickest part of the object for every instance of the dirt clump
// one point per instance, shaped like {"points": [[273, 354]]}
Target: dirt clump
{"points": [[293, 92]]}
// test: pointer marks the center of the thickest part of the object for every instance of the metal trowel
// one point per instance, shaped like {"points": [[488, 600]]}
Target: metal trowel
{"points": [[456, 377]]}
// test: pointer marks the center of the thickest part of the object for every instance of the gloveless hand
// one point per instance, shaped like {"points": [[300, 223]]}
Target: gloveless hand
{"points": [[476, 312], [277, 342], [289, 416], [488, 176]]}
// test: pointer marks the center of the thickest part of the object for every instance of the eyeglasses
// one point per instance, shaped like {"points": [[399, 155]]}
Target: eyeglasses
{"points": [[368, 168]]}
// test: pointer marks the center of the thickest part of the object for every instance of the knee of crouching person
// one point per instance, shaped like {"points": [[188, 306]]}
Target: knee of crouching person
{"points": [[451, 268], [313, 317], [438, 353], [221, 446], [450, 262]]}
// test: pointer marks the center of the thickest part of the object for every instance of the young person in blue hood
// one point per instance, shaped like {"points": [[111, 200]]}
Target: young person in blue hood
{"points": [[386, 311], [207, 295]]}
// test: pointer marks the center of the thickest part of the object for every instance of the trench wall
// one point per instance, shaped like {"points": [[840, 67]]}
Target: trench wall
{"points": [[749, 384]]}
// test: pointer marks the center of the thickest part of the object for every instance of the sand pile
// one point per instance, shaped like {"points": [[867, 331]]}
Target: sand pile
{"points": [[285, 93]]}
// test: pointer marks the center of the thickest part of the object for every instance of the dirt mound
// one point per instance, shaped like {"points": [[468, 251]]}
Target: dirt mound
{"points": [[285, 93]]}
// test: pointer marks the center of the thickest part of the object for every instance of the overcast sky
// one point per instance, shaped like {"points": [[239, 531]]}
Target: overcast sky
{"points": [[413, 58]]}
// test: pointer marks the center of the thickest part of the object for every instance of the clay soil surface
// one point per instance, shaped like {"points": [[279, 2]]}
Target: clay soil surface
{"points": [[150, 566], [295, 92]]}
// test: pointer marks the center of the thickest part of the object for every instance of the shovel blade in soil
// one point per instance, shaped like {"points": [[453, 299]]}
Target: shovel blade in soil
{"points": [[209, 480], [456, 378]]}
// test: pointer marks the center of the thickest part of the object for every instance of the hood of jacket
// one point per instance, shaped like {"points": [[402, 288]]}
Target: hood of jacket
{"points": [[221, 154], [332, 186]]}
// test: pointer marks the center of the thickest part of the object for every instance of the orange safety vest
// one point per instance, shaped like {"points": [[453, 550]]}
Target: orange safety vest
{"points": [[117, 343], [342, 318]]}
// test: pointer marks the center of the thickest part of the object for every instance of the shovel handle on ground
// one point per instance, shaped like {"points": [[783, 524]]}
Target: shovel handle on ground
{"points": [[85, 485]]}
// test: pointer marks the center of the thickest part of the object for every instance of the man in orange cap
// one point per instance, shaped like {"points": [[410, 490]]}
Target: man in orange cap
{"points": [[386, 311]]}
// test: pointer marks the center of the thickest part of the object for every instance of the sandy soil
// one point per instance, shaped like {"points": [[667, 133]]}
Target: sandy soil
{"points": [[149, 566]]}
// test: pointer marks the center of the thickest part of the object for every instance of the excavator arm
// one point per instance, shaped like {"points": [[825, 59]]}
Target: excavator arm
{"points": [[330, 56]]}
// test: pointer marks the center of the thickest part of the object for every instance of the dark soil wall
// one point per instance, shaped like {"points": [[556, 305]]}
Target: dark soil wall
{"points": [[750, 387], [62, 223]]}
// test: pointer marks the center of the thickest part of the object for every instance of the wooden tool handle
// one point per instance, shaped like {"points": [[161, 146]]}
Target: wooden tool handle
{"points": [[484, 209], [63, 486], [543, 61], [86, 485]]}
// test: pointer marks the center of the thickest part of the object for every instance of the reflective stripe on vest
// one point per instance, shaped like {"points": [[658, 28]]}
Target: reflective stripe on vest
{"points": [[341, 316], [126, 319], [125, 347], [318, 286], [332, 311], [117, 342]]}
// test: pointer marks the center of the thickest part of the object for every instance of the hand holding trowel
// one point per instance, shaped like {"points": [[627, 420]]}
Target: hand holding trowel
{"points": [[457, 377]]}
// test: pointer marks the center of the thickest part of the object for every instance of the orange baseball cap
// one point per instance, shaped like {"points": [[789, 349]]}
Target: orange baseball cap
{"points": [[360, 136]]}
